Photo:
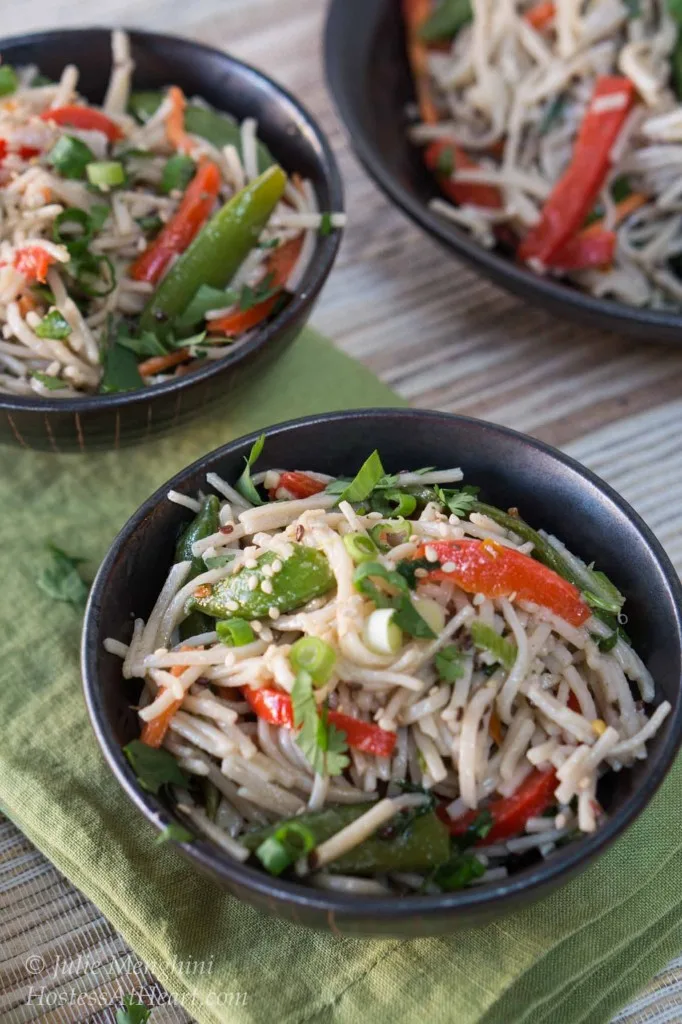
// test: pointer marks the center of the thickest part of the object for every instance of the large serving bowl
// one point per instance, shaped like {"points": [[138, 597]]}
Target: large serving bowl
{"points": [[295, 140], [370, 79], [550, 489]]}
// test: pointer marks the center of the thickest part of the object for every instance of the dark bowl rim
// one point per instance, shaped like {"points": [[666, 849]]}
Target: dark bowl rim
{"points": [[312, 282], [497, 267], [395, 909]]}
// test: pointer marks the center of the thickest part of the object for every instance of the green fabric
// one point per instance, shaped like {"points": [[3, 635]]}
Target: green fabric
{"points": [[575, 957]]}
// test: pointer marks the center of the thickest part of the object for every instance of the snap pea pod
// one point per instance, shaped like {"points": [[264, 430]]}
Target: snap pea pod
{"points": [[216, 128], [218, 250], [304, 575], [203, 525], [424, 844]]}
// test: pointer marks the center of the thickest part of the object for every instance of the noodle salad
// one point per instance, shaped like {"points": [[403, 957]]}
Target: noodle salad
{"points": [[381, 685], [138, 239], [554, 130]]}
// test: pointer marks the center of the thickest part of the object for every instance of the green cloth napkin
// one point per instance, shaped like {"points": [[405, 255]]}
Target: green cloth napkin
{"points": [[575, 957]]}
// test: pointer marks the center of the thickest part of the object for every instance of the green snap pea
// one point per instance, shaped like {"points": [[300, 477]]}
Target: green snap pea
{"points": [[422, 846], [304, 575], [218, 250], [203, 525]]}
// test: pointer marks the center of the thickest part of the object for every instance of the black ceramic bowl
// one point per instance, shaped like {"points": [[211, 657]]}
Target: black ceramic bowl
{"points": [[550, 489], [369, 76], [294, 138]]}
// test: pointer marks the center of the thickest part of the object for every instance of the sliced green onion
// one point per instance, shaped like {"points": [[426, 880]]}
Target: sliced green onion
{"points": [[235, 632], [381, 634], [105, 173], [71, 225], [391, 502], [288, 843], [177, 173], [8, 80], [312, 655], [70, 157], [53, 326], [326, 225], [90, 277], [486, 639], [431, 612], [360, 547], [390, 535]]}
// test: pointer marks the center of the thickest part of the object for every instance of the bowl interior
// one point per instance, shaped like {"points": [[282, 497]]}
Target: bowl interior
{"points": [[371, 80], [293, 137], [550, 490]]}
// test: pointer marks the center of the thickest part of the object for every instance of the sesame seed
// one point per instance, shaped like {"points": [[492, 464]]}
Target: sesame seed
{"points": [[253, 582], [584, 784], [266, 570], [448, 567], [250, 563], [276, 566], [266, 587], [430, 553], [232, 606], [266, 634], [273, 612], [256, 625]]}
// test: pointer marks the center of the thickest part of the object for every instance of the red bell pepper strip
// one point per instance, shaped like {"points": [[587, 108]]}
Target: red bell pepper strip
{"points": [[541, 16], [510, 813], [87, 118], [173, 239], [275, 708], [460, 191], [585, 250], [279, 267], [574, 194], [33, 262], [299, 485], [485, 567]]}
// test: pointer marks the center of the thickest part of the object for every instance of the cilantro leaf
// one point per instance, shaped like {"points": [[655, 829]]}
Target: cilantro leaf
{"points": [[245, 484], [132, 1012], [53, 383], [174, 831], [450, 664], [61, 580], [322, 743], [407, 567], [146, 345], [253, 296], [154, 767], [53, 325], [478, 829], [406, 615], [460, 502], [459, 871]]}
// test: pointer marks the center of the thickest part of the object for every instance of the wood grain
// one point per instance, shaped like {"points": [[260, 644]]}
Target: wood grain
{"points": [[443, 338]]}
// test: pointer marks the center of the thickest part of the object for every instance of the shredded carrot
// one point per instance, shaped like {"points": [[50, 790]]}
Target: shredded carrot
{"points": [[495, 727], [540, 16], [157, 364], [26, 304], [415, 13], [623, 209], [282, 261], [175, 121], [154, 731]]}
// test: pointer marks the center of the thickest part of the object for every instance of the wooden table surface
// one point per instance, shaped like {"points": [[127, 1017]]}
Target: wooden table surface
{"points": [[440, 336]]}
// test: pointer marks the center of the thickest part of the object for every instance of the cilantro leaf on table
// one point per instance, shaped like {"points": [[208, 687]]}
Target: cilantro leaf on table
{"points": [[61, 580]]}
